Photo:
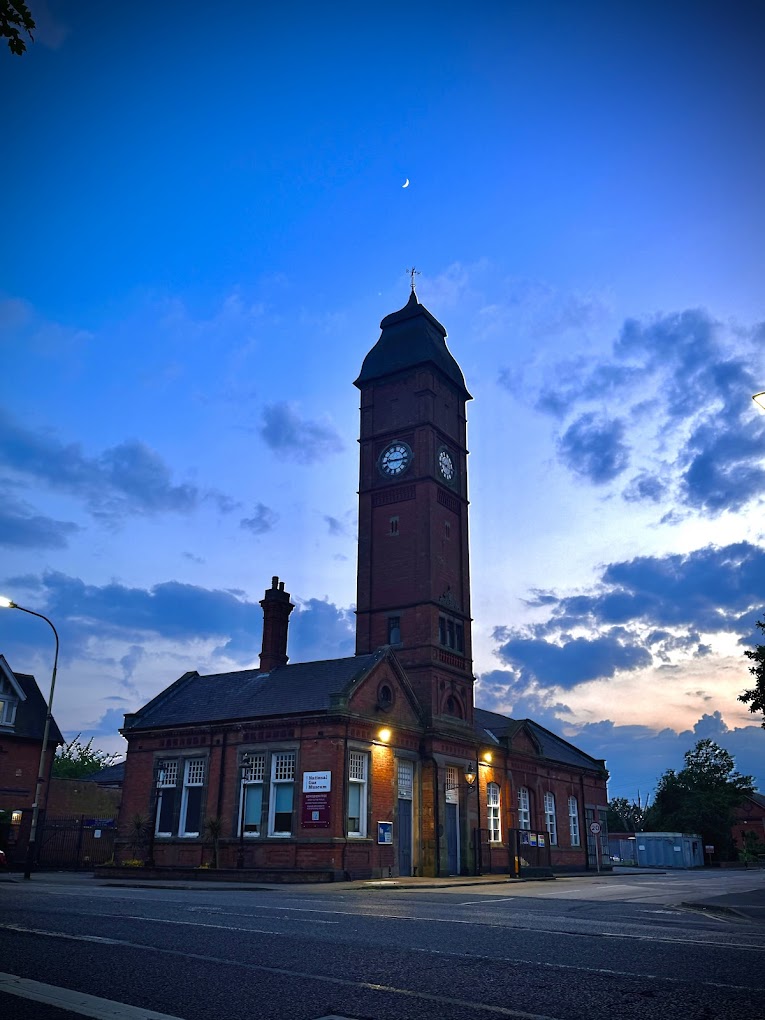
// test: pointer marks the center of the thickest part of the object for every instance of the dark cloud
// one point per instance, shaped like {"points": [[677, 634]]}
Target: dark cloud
{"points": [[645, 488], [334, 526], [642, 611], [126, 479], [87, 614], [675, 376], [263, 519], [574, 661], [321, 630], [22, 528], [594, 448], [297, 438]]}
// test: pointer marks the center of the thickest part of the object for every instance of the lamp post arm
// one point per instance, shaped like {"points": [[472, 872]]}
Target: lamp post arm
{"points": [[46, 733]]}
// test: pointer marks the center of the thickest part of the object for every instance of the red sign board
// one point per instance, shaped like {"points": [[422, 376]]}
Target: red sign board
{"points": [[315, 814]]}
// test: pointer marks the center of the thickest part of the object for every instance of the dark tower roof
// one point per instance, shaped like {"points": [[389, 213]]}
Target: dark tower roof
{"points": [[411, 337]]}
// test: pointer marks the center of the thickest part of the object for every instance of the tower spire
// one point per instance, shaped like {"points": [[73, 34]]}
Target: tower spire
{"points": [[412, 273]]}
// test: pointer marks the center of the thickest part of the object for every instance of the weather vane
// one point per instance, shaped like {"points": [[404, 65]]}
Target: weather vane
{"points": [[413, 272]]}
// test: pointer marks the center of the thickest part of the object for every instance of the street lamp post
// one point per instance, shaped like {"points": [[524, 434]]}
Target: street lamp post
{"points": [[31, 844], [473, 783], [244, 766]]}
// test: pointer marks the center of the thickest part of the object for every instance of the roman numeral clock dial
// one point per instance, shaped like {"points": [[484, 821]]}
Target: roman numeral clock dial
{"points": [[395, 459]]}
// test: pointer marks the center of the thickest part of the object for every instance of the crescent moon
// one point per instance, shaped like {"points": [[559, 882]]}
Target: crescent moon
{"points": [[406, 183]]}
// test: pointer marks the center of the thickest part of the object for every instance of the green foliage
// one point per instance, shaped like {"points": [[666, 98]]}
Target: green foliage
{"points": [[625, 815], [15, 17], [755, 697], [702, 797], [213, 832], [75, 760]]}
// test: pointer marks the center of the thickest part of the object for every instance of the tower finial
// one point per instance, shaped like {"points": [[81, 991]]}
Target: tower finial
{"points": [[412, 273]]}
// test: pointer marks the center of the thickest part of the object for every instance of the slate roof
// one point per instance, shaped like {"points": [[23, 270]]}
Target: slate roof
{"points": [[553, 748], [30, 714], [296, 689], [112, 775], [410, 337]]}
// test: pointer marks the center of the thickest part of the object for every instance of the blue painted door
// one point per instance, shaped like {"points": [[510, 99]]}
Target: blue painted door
{"points": [[452, 840], [404, 837]]}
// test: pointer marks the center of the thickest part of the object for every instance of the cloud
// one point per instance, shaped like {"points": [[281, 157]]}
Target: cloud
{"points": [[594, 449], [674, 391], [263, 519], [22, 528], [126, 479], [643, 611], [185, 613], [321, 630], [297, 438]]}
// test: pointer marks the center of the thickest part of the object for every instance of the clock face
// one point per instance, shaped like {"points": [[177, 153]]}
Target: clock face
{"points": [[395, 459], [446, 465]]}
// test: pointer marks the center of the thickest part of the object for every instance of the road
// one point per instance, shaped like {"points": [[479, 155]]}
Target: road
{"points": [[588, 947]]}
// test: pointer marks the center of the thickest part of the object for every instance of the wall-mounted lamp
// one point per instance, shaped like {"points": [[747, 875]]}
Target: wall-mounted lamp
{"points": [[471, 774], [384, 735], [486, 756]]}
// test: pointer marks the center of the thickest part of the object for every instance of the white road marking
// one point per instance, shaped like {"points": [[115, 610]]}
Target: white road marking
{"points": [[483, 903], [76, 1002], [347, 982]]}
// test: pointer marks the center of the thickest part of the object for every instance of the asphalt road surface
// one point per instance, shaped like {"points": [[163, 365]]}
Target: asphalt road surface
{"points": [[595, 948]]}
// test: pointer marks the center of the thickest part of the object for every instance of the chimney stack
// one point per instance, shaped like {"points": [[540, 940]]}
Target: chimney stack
{"points": [[276, 612]]}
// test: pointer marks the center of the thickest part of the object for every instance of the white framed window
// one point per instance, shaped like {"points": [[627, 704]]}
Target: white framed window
{"points": [[358, 770], [190, 823], [452, 784], [405, 771], [550, 825], [524, 809], [8, 711], [167, 783], [251, 795], [282, 793], [492, 800], [573, 821]]}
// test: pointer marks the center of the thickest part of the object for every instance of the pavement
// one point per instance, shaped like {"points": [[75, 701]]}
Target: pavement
{"points": [[742, 904]]}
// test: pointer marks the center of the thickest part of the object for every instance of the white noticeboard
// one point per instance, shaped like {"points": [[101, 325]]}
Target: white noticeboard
{"points": [[317, 782]]}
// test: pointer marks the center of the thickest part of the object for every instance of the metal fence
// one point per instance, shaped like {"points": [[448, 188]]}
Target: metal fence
{"points": [[75, 841]]}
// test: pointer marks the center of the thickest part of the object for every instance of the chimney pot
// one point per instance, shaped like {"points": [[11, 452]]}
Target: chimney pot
{"points": [[276, 607]]}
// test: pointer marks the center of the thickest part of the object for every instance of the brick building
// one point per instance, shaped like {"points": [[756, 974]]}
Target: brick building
{"points": [[22, 723], [375, 764]]}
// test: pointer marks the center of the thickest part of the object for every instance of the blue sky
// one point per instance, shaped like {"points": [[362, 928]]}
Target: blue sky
{"points": [[204, 224]]}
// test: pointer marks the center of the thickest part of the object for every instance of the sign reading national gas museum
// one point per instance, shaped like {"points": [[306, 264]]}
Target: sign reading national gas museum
{"points": [[316, 790]]}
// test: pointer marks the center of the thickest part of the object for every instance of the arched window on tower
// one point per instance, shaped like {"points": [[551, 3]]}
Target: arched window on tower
{"points": [[453, 707]]}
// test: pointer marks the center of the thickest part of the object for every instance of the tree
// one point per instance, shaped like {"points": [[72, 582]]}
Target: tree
{"points": [[702, 797], [625, 815], [16, 17], [755, 698], [75, 760]]}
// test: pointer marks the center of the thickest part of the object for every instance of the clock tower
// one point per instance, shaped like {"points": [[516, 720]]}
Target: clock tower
{"points": [[413, 589]]}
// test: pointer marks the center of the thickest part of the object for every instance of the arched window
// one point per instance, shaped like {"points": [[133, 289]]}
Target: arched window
{"points": [[453, 707], [550, 818], [524, 810], [492, 799], [573, 821]]}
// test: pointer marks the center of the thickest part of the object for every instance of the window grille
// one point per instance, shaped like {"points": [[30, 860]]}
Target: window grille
{"points": [[284, 766], [524, 810], [255, 771], [195, 772], [492, 799], [357, 766], [550, 818], [573, 821], [452, 777], [167, 773], [405, 779]]}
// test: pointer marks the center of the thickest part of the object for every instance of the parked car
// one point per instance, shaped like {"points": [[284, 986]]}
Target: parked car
{"points": [[3, 861]]}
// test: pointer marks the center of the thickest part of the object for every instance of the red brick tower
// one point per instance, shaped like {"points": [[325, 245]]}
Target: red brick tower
{"points": [[413, 588]]}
